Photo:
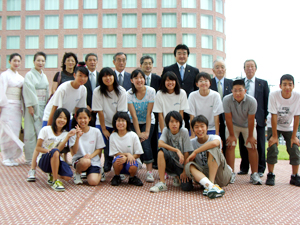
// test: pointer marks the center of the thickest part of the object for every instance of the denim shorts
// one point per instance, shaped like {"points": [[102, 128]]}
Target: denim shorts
{"points": [[126, 165]]}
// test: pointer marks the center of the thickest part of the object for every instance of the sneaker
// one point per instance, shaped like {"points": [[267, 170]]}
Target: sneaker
{"points": [[31, 176], [14, 162], [28, 162], [7, 162], [255, 179], [149, 177], [160, 186], [242, 172], [295, 180], [215, 192], [116, 180], [270, 179], [135, 181], [176, 182], [123, 177], [58, 186], [103, 178], [77, 179], [261, 174], [50, 178], [205, 192], [83, 175], [232, 179]]}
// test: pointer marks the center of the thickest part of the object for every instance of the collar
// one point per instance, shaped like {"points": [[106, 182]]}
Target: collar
{"points": [[184, 65], [122, 73], [94, 72], [252, 79], [222, 80], [149, 75]]}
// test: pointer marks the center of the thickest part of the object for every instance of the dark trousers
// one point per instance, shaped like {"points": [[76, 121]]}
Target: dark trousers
{"points": [[222, 132], [186, 118], [154, 140]]}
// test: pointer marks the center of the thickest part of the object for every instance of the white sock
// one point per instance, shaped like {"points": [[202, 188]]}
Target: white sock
{"points": [[206, 183]]}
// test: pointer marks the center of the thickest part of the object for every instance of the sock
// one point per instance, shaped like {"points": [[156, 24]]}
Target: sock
{"points": [[206, 183]]}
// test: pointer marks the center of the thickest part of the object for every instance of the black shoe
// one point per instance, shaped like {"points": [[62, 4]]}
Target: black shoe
{"points": [[270, 179], [295, 180], [135, 181], [242, 173], [155, 167], [116, 181]]}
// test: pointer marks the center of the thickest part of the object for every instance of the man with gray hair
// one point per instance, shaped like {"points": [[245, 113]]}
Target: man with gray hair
{"points": [[123, 78]]}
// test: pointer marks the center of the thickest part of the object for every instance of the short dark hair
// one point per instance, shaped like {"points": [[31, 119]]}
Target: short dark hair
{"points": [[82, 68], [90, 54], [288, 77], [122, 115], [176, 115], [39, 54], [181, 46], [204, 75], [103, 88], [250, 60], [199, 119], [134, 74], [239, 82], [67, 55], [56, 115], [172, 76], [119, 53], [146, 57], [85, 110], [13, 55]]}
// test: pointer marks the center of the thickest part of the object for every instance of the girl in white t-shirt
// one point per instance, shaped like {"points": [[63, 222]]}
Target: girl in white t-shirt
{"points": [[85, 147]]}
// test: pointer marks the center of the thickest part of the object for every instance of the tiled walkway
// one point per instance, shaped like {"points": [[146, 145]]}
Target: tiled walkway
{"points": [[243, 203]]}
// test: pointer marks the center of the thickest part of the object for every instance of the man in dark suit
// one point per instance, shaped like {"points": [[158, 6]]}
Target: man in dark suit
{"points": [[258, 89], [152, 80], [123, 77], [224, 87], [185, 73]]}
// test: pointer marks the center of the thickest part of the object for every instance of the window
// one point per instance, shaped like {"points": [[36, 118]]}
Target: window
{"points": [[149, 40], [32, 22], [169, 4], [0, 22], [90, 21], [207, 61], [153, 55], [129, 40], [51, 61], [32, 5], [90, 41], [29, 61], [188, 4], [0, 45], [206, 41], [13, 42], [0, 10], [206, 22], [149, 4], [109, 40], [51, 22], [32, 42], [220, 45], [70, 4], [219, 25], [109, 4], [189, 40], [90, 4], [13, 5], [149, 20], [169, 40], [220, 58], [51, 41], [189, 20], [13, 23], [219, 6], [7, 62], [192, 60], [169, 20], [51, 4], [108, 60], [110, 21], [70, 41], [131, 60], [168, 59], [129, 4], [206, 4], [129, 20], [70, 21]]}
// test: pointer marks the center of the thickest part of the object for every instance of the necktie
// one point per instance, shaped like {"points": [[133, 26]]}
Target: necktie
{"points": [[220, 89], [248, 86], [120, 79], [148, 81], [93, 80], [181, 72]]}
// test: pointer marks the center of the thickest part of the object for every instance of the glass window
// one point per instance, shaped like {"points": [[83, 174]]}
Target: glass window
{"points": [[131, 60], [13, 42], [207, 41], [169, 3], [207, 61], [153, 55], [108, 60], [168, 59], [7, 62], [220, 45], [70, 4], [32, 42], [51, 4], [90, 21], [0, 45], [149, 20], [169, 20], [70, 41], [90, 41], [51, 61], [149, 40], [220, 58], [219, 25], [188, 4], [51, 22], [0, 10], [109, 21], [169, 40], [189, 40], [219, 6], [206, 4], [29, 61], [109, 40], [32, 22], [129, 4], [129, 20], [149, 4], [129, 40], [109, 4], [90, 4], [70, 21], [0, 22], [206, 22], [189, 20], [13, 5], [32, 5], [13, 23], [51, 41], [192, 60]]}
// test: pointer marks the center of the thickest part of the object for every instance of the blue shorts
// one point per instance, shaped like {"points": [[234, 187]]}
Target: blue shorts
{"points": [[91, 169], [45, 165], [126, 166]]}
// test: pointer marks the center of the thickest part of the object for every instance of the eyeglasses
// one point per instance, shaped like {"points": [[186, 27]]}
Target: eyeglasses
{"points": [[203, 81]]}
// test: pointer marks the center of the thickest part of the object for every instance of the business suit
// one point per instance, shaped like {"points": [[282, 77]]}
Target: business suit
{"points": [[89, 98], [126, 80]]}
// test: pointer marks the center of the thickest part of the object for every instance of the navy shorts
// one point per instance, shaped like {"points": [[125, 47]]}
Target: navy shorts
{"points": [[91, 169], [126, 165]]}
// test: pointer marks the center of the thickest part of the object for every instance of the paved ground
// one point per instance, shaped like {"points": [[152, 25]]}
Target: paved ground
{"points": [[243, 203]]}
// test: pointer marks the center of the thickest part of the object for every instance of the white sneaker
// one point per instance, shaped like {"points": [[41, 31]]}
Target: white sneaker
{"points": [[7, 162], [77, 179], [255, 179], [28, 162], [58, 186], [122, 176], [31, 176], [176, 182], [149, 177], [83, 175], [103, 178], [215, 192], [160, 186], [232, 179], [14, 162]]}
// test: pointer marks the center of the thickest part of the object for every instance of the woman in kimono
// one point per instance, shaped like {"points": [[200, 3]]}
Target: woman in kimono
{"points": [[11, 83], [35, 93]]}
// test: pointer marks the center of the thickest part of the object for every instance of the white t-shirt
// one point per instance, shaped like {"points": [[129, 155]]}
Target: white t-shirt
{"points": [[66, 97], [208, 106], [109, 105], [129, 143], [50, 140], [88, 143], [285, 109], [141, 106]]}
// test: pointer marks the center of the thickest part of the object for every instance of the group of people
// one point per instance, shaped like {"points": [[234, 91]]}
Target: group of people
{"points": [[183, 123]]}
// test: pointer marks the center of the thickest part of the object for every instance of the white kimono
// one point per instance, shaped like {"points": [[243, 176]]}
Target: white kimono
{"points": [[35, 94], [11, 114]]}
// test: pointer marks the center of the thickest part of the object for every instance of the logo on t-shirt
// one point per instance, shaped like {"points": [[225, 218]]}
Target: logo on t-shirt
{"points": [[92, 142], [177, 103]]}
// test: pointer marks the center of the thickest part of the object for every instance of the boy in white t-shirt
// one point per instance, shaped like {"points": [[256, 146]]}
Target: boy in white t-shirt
{"points": [[284, 106]]}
